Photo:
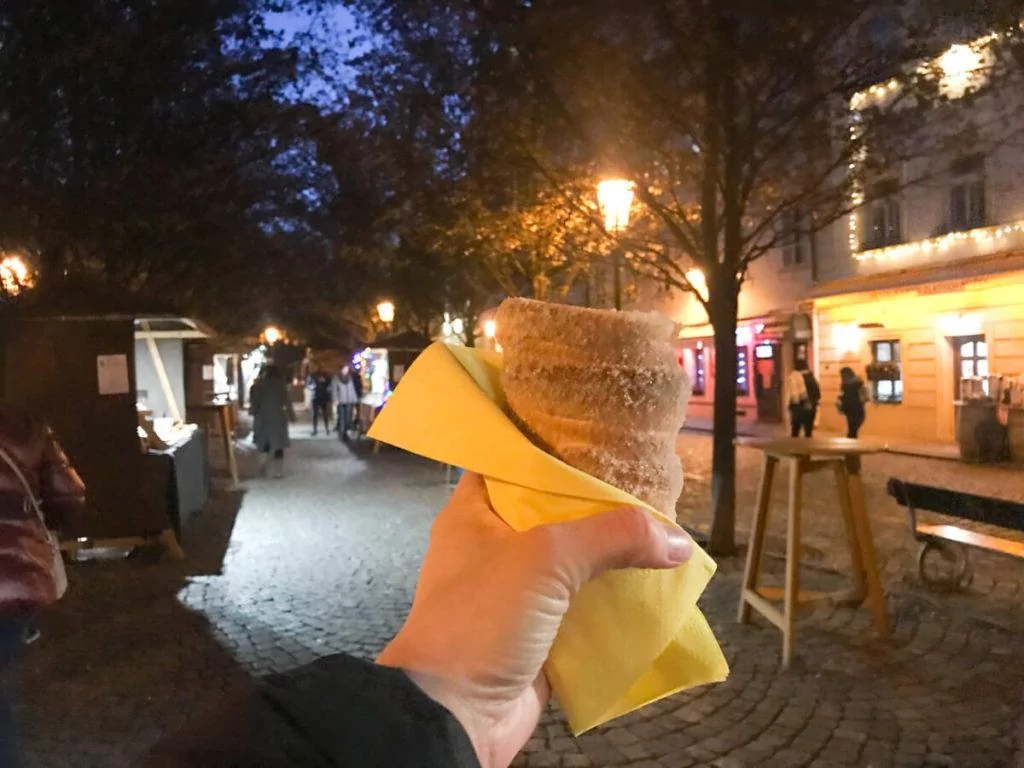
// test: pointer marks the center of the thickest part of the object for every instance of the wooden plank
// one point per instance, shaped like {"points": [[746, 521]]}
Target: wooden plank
{"points": [[758, 525], [817, 465], [765, 608], [856, 559], [873, 582], [161, 373], [971, 539], [792, 560], [811, 597]]}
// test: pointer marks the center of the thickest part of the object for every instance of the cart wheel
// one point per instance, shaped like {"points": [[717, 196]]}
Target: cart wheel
{"points": [[940, 564]]}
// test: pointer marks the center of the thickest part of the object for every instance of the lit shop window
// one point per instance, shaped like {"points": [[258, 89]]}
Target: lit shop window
{"points": [[742, 372], [699, 369], [885, 373]]}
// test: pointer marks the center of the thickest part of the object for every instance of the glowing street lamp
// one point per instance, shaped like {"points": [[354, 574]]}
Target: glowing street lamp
{"points": [[490, 329], [272, 335], [615, 199], [15, 275], [386, 312]]}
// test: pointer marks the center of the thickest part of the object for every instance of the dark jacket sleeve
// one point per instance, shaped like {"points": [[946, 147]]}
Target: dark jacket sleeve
{"points": [[61, 489], [338, 711]]}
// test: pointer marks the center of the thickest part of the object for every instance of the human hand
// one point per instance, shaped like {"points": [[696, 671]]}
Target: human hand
{"points": [[489, 603]]}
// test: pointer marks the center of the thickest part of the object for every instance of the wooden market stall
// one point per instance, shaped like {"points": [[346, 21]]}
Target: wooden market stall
{"points": [[95, 380]]}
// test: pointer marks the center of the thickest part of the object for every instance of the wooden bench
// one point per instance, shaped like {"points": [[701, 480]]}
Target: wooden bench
{"points": [[943, 556]]}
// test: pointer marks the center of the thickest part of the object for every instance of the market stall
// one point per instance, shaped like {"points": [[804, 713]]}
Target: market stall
{"points": [[145, 473], [380, 368]]}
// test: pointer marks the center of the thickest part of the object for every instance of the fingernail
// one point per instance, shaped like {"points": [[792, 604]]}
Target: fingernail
{"points": [[680, 547]]}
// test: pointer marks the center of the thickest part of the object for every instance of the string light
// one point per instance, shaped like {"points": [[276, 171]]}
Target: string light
{"points": [[957, 70], [942, 243]]}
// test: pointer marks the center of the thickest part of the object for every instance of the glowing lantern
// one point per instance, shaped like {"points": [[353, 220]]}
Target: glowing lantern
{"points": [[615, 198]]}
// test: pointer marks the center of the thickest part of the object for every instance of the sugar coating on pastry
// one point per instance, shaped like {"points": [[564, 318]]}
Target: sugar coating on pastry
{"points": [[599, 389]]}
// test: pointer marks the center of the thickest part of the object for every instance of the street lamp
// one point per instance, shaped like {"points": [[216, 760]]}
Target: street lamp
{"points": [[490, 329], [272, 335], [15, 275], [615, 199], [386, 312]]}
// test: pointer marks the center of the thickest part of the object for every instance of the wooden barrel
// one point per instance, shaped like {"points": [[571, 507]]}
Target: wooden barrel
{"points": [[972, 419], [1015, 434]]}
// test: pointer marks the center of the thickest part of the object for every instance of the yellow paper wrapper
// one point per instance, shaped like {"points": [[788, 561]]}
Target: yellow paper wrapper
{"points": [[630, 637]]}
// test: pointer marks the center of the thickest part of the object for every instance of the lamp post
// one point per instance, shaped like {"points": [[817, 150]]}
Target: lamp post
{"points": [[615, 199]]}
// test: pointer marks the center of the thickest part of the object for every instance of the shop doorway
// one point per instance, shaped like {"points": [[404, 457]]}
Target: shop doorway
{"points": [[768, 381]]}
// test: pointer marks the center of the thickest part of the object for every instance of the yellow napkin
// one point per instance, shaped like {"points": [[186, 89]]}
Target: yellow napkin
{"points": [[630, 637]]}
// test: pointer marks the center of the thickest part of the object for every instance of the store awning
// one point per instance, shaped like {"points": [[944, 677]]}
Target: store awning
{"points": [[171, 327], [904, 279]]}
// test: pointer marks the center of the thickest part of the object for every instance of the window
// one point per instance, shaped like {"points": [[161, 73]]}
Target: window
{"points": [[885, 373], [699, 370], [794, 244], [742, 372], [881, 217], [971, 359], [967, 194]]}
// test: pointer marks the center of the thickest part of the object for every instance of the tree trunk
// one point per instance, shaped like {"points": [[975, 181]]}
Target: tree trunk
{"points": [[724, 310]]}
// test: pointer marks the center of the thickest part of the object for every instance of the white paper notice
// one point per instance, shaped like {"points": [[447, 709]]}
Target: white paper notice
{"points": [[112, 374], [208, 373]]}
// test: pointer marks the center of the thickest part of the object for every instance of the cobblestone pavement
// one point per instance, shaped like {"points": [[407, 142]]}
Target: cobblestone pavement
{"points": [[325, 561]]}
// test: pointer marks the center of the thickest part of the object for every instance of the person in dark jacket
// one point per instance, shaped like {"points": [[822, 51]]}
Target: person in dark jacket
{"points": [[27, 581], [321, 385], [271, 410], [852, 397], [461, 684]]}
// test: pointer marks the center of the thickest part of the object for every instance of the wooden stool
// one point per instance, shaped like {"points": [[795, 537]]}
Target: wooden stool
{"points": [[842, 457]]}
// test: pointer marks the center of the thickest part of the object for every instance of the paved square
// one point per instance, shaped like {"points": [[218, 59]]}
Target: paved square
{"points": [[325, 561]]}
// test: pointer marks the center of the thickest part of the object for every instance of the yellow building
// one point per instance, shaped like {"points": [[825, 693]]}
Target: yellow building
{"points": [[937, 323]]}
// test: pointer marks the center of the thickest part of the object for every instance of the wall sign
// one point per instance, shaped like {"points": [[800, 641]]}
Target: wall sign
{"points": [[112, 374]]}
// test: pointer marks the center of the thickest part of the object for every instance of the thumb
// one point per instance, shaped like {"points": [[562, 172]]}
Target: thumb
{"points": [[624, 538]]}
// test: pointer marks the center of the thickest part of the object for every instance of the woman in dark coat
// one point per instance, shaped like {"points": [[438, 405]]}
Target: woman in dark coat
{"points": [[852, 397], [27, 578], [272, 412]]}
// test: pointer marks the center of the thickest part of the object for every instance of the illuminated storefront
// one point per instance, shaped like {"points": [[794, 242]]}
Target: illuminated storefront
{"points": [[913, 335], [767, 349]]}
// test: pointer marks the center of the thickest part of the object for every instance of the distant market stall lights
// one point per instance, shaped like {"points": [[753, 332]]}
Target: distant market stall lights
{"points": [[490, 329], [272, 335]]}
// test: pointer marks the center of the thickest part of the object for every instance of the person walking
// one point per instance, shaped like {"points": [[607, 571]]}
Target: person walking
{"points": [[39, 492], [321, 401], [272, 410], [803, 396], [852, 397], [343, 392]]}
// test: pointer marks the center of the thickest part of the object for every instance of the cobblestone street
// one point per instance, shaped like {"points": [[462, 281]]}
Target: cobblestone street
{"points": [[325, 561]]}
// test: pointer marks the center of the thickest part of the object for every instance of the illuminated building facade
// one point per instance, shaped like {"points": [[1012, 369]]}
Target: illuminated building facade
{"points": [[921, 286]]}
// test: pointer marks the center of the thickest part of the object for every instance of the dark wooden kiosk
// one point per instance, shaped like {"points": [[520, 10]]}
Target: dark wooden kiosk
{"points": [[80, 374]]}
